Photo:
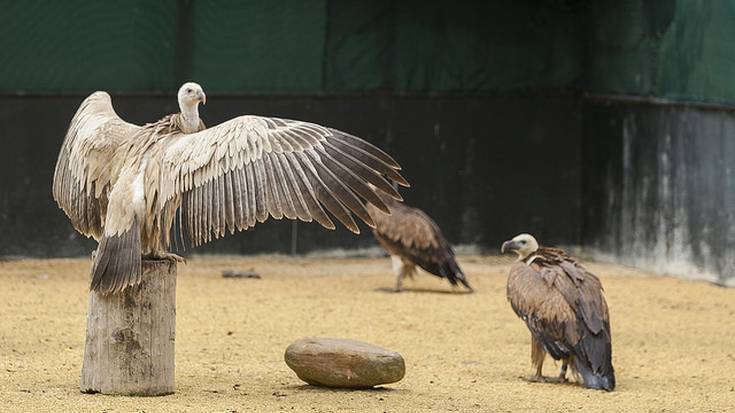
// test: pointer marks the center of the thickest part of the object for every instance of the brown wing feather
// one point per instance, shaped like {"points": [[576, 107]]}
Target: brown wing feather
{"points": [[581, 289], [556, 287], [542, 307], [411, 234], [410, 227]]}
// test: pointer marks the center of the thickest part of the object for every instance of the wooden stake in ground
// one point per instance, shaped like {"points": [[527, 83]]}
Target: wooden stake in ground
{"points": [[129, 348]]}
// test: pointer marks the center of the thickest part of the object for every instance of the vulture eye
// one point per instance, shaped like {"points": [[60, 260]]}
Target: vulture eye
{"points": [[523, 242], [188, 90]]}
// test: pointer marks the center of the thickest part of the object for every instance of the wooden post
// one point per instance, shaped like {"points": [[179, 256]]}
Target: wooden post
{"points": [[129, 348]]}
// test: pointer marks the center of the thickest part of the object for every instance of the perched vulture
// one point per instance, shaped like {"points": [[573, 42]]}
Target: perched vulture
{"points": [[131, 186], [412, 238], [564, 308]]}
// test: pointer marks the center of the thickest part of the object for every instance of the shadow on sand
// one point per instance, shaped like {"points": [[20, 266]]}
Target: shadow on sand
{"points": [[421, 291]]}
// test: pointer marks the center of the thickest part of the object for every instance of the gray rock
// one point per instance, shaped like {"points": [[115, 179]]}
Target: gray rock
{"points": [[338, 362]]}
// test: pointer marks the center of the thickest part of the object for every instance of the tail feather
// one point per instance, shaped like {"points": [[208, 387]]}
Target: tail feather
{"points": [[596, 380], [593, 362], [453, 273], [117, 264], [464, 282]]}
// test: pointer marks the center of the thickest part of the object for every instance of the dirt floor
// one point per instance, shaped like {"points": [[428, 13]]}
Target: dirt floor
{"points": [[673, 340]]}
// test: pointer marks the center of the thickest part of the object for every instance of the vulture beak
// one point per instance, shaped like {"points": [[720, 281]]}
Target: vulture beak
{"points": [[508, 246], [202, 97]]}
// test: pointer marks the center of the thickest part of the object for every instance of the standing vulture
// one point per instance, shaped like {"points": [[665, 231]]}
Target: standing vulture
{"points": [[412, 238], [564, 308], [129, 186]]}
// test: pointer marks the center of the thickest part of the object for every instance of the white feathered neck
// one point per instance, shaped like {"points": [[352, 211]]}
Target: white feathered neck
{"points": [[190, 113]]}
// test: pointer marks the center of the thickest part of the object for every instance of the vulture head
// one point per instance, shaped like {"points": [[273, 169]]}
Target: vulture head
{"points": [[190, 95], [523, 245]]}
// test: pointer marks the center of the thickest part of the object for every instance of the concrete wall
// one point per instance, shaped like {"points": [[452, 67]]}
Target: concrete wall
{"points": [[659, 186]]}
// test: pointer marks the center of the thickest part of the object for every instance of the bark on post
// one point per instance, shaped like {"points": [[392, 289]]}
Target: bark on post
{"points": [[129, 348]]}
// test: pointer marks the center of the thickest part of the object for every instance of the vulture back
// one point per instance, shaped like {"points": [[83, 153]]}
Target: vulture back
{"points": [[409, 233]]}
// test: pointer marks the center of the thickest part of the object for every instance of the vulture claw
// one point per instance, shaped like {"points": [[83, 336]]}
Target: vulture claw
{"points": [[168, 256], [535, 378]]}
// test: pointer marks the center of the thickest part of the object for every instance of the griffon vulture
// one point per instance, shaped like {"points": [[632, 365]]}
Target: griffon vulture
{"points": [[412, 238], [128, 186], [564, 308]]}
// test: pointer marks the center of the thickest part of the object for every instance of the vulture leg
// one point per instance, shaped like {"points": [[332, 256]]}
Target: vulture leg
{"points": [[563, 371], [407, 271], [410, 270], [401, 269], [536, 378], [168, 256], [537, 359], [562, 378], [398, 269], [562, 374]]}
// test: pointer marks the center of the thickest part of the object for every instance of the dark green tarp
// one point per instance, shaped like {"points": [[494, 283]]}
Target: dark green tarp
{"points": [[673, 49]]}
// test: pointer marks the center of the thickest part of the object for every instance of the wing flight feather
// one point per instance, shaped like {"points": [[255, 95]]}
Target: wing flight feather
{"points": [[90, 158], [252, 167]]}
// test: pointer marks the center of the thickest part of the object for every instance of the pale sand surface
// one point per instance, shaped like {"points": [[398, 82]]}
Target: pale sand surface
{"points": [[673, 340]]}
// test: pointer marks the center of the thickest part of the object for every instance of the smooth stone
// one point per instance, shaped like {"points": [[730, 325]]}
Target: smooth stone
{"points": [[339, 362]]}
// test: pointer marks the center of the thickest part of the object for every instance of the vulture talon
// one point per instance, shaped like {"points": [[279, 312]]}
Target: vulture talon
{"points": [[534, 378], [166, 256], [558, 380], [174, 258]]}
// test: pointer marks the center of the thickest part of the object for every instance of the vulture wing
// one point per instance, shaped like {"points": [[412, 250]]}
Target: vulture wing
{"points": [[410, 233], [238, 173], [547, 314], [583, 292], [88, 161]]}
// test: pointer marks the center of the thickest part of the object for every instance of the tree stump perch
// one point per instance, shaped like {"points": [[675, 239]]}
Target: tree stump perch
{"points": [[129, 349]]}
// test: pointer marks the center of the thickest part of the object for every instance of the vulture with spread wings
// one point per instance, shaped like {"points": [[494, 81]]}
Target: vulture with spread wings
{"points": [[563, 306], [127, 186], [413, 239]]}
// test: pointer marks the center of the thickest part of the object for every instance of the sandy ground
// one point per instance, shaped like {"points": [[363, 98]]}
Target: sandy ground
{"points": [[673, 340]]}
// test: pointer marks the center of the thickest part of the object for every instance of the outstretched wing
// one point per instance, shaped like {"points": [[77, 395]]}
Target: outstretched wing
{"points": [[88, 161], [238, 173]]}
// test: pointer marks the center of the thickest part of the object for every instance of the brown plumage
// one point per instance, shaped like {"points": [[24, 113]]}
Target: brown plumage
{"points": [[131, 186], [412, 238], [565, 310]]}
